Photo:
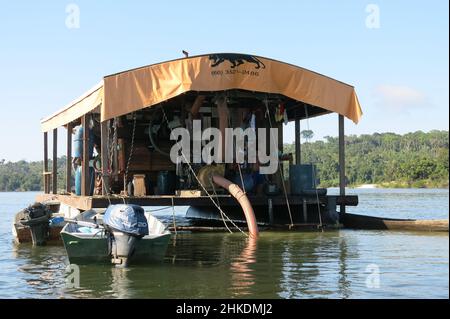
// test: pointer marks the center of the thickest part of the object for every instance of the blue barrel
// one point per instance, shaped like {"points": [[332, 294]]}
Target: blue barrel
{"points": [[248, 180], [166, 183], [301, 177], [78, 181], [78, 143]]}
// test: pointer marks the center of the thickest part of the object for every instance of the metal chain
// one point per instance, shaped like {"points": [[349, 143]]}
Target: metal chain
{"points": [[131, 147], [113, 145]]}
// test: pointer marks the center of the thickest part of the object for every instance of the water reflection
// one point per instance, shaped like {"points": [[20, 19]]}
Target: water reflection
{"points": [[120, 283], [343, 283], [42, 268], [242, 275], [315, 264], [286, 265], [277, 265], [298, 268]]}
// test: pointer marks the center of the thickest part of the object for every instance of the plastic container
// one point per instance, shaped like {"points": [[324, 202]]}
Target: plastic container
{"points": [[78, 181], [249, 183], [166, 183], [78, 143], [301, 178]]}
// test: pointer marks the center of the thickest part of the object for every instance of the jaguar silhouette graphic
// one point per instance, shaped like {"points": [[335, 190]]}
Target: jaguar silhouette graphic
{"points": [[235, 60]]}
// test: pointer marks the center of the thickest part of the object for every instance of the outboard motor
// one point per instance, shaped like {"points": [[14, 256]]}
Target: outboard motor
{"points": [[126, 224], [36, 217]]}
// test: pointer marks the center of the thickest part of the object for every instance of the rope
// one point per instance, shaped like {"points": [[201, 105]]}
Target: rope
{"points": [[173, 214], [159, 209], [314, 174], [242, 179], [203, 187], [106, 191], [266, 102], [218, 202]]}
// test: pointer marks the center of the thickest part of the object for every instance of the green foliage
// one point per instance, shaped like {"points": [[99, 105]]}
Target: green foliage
{"points": [[412, 160], [27, 176], [307, 134]]}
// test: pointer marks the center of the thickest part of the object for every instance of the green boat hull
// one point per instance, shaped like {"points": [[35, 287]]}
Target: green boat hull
{"points": [[94, 249]]}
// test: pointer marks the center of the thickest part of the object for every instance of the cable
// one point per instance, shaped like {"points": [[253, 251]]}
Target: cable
{"points": [[314, 173], [203, 187], [266, 102]]}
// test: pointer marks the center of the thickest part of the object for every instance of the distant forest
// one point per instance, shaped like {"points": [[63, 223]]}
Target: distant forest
{"points": [[390, 160]]}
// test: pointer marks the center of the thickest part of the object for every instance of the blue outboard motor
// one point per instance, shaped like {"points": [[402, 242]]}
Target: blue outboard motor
{"points": [[126, 224]]}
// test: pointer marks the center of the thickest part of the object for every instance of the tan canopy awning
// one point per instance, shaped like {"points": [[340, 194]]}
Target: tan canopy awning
{"points": [[147, 86], [84, 104], [143, 87]]}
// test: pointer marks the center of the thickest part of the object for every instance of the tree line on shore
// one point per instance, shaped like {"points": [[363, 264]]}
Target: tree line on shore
{"points": [[415, 159]]}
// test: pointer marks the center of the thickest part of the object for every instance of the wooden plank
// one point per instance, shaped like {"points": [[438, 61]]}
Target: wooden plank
{"points": [[85, 182], [347, 200], [55, 162], [69, 159], [370, 222], [88, 202], [341, 160], [45, 168], [139, 185], [205, 201], [79, 202], [104, 155], [188, 193]]}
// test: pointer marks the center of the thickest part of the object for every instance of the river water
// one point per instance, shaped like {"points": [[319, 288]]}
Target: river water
{"points": [[333, 264]]}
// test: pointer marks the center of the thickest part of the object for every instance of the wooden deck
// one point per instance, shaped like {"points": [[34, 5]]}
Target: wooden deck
{"points": [[88, 202]]}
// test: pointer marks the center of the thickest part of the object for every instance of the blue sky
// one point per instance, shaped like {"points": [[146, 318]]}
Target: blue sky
{"points": [[399, 70]]}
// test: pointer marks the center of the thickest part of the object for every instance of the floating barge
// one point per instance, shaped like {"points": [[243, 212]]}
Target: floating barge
{"points": [[129, 116]]}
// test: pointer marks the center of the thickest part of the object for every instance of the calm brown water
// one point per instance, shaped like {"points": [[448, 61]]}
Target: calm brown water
{"points": [[334, 264]]}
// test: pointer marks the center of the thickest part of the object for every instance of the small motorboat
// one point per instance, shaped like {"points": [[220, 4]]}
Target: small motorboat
{"points": [[123, 234], [39, 223]]}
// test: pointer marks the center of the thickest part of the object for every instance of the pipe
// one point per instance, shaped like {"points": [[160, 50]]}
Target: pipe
{"points": [[242, 198], [152, 140], [196, 106]]}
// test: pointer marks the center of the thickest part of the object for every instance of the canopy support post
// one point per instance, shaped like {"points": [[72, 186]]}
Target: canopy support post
{"points": [[298, 154], [281, 150], [85, 182], [104, 156], [45, 170], [55, 162], [341, 160], [69, 159]]}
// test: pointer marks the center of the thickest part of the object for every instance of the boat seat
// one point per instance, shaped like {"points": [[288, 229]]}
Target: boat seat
{"points": [[154, 225]]}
